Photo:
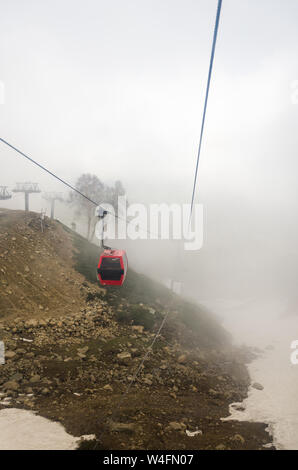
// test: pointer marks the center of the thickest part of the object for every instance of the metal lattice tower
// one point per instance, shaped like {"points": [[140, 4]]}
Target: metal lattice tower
{"points": [[26, 188], [52, 197], [4, 194]]}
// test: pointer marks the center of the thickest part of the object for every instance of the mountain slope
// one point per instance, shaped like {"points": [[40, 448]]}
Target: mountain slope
{"points": [[73, 360], [36, 268]]}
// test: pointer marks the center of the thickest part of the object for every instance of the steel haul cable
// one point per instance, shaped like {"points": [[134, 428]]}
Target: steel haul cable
{"points": [[149, 349], [205, 104], [201, 134], [66, 183]]}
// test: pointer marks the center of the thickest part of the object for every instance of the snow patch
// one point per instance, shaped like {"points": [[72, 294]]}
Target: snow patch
{"points": [[24, 430]]}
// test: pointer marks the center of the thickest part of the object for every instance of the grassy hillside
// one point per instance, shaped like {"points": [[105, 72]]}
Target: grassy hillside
{"points": [[139, 292]]}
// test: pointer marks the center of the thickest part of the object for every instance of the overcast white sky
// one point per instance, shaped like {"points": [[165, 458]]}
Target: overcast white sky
{"points": [[116, 88]]}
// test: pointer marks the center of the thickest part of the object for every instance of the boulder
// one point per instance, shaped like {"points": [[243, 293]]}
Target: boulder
{"points": [[124, 357], [182, 359], [35, 379], [11, 385], [31, 323], [138, 328], [10, 354], [122, 427], [175, 426]]}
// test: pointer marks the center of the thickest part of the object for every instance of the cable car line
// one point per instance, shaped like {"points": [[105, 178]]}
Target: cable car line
{"points": [[149, 349], [205, 104], [113, 263], [195, 180], [69, 185], [48, 171], [121, 271]]}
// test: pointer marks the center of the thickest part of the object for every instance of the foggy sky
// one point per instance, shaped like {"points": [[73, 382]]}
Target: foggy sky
{"points": [[116, 88]]}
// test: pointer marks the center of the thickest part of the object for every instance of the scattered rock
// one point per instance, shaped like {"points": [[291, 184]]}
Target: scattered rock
{"points": [[16, 377], [214, 393], [10, 354], [238, 407], [31, 323], [138, 328], [238, 438], [124, 357], [81, 355], [11, 385], [35, 379], [220, 447], [257, 386], [21, 351], [147, 381], [182, 359], [175, 426], [122, 427]]}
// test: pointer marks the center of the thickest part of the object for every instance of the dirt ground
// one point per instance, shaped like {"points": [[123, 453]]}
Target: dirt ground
{"points": [[72, 350], [36, 270]]}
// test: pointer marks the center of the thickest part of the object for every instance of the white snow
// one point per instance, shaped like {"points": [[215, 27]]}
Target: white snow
{"points": [[24, 430], [276, 405], [194, 433], [263, 324]]}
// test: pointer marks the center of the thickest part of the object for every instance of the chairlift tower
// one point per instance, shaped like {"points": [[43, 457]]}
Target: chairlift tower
{"points": [[26, 188], [4, 194], [52, 197]]}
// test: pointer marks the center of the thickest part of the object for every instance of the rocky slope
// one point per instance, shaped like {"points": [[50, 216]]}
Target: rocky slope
{"points": [[36, 273], [74, 359]]}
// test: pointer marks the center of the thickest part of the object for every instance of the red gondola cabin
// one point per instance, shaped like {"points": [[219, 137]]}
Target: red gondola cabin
{"points": [[112, 267]]}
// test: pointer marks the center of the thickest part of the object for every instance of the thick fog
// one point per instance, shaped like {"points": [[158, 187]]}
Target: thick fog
{"points": [[116, 89]]}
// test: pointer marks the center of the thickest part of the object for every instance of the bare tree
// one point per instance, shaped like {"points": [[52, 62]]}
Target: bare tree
{"points": [[112, 193], [93, 188]]}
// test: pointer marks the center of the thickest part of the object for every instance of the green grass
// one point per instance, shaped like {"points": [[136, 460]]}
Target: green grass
{"points": [[140, 289], [138, 315]]}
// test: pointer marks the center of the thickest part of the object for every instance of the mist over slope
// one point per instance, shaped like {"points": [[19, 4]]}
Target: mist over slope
{"points": [[140, 291]]}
